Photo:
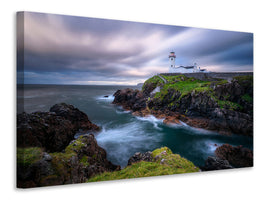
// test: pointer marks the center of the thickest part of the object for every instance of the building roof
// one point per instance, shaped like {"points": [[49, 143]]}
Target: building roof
{"points": [[187, 67]]}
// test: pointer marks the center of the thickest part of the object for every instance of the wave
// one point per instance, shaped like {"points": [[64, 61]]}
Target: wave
{"points": [[152, 119], [123, 111], [109, 98], [191, 129], [211, 146], [122, 141], [205, 148]]}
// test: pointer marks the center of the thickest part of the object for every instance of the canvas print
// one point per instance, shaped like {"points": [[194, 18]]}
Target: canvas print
{"points": [[101, 100]]}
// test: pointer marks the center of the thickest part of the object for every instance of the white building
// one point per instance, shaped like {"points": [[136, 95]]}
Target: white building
{"points": [[182, 69]]}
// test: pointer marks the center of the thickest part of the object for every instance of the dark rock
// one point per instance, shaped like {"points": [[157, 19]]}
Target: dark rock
{"points": [[215, 163], [130, 99], [78, 118], [237, 156], [233, 121], [224, 119], [228, 108], [82, 159], [148, 88], [106, 96], [52, 130], [137, 157]]}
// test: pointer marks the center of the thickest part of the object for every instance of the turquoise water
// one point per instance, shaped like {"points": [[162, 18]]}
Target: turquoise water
{"points": [[123, 134]]}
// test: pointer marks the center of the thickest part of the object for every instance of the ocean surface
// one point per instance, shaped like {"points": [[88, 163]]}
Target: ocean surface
{"points": [[123, 134]]}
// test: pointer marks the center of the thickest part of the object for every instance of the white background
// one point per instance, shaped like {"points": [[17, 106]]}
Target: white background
{"points": [[239, 15]]}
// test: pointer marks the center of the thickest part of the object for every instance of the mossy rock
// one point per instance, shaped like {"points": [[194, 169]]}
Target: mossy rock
{"points": [[155, 80], [76, 145], [162, 150], [28, 156], [247, 98], [168, 164], [185, 86]]}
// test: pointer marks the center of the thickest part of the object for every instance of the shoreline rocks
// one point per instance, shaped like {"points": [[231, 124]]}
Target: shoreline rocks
{"points": [[223, 107], [215, 163], [137, 157], [47, 153], [229, 157], [237, 156], [161, 161], [81, 159], [52, 130]]}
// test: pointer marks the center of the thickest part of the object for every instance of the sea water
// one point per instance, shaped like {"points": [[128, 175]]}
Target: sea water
{"points": [[123, 134]]}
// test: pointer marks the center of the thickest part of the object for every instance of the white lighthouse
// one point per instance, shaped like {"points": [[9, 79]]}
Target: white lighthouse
{"points": [[172, 57], [183, 69]]}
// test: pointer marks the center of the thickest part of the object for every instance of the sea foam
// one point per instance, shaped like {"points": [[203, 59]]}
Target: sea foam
{"points": [[123, 140], [150, 118]]}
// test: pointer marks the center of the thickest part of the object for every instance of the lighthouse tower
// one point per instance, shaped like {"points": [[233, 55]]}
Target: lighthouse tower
{"points": [[195, 68], [172, 57]]}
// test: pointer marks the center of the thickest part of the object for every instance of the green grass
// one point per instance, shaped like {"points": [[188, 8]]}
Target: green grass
{"points": [[247, 98], [221, 82], [230, 104], [61, 160], [155, 80], [175, 78], [158, 151], [75, 146], [70, 150], [84, 161], [28, 156], [245, 81], [184, 87], [172, 164], [244, 78]]}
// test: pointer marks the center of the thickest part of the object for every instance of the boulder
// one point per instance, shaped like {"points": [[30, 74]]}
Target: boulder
{"points": [[237, 156], [137, 157], [52, 130], [78, 118], [215, 163], [130, 99], [81, 159]]}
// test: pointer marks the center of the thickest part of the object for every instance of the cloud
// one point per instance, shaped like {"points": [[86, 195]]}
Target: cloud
{"points": [[70, 49]]}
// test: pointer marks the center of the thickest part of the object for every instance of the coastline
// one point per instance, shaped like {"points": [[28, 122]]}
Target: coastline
{"points": [[219, 105]]}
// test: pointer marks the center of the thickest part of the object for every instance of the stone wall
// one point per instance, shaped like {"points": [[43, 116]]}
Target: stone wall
{"points": [[212, 75]]}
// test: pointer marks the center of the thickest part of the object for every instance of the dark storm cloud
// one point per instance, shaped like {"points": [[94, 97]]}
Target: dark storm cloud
{"points": [[66, 49], [238, 55]]}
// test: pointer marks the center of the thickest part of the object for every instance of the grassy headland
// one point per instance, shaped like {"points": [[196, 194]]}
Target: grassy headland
{"points": [[182, 85], [164, 163]]}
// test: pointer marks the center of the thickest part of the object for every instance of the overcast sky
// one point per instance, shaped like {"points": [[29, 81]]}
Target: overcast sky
{"points": [[62, 49]]}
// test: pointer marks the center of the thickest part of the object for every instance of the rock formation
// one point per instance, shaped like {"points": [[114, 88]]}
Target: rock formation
{"points": [[215, 163], [161, 161], [52, 130], [237, 156], [226, 107], [137, 157], [47, 153]]}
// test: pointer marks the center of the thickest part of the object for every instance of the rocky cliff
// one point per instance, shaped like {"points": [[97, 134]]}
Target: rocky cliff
{"points": [[48, 154], [216, 104]]}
